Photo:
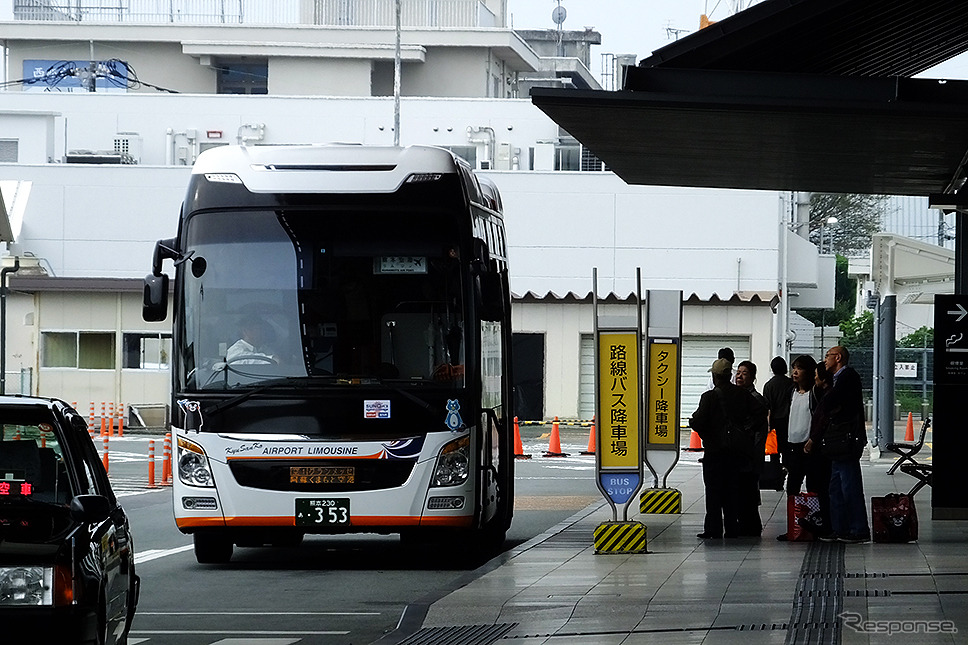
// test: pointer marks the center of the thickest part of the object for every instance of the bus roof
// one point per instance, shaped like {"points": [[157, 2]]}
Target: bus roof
{"points": [[323, 168]]}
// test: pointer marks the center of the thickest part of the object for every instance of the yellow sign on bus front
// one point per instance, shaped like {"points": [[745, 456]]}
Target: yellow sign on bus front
{"points": [[662, 381], [618, 400]]}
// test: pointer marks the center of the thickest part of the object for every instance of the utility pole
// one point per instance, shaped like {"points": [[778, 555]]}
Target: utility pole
{"points": [[396, 82]]}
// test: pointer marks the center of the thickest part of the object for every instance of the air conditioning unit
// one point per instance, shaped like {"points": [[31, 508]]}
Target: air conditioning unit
{"points": [[128, 145]]}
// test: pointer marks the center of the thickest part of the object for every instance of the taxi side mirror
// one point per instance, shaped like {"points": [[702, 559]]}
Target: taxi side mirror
{"points": [[90, 508]]}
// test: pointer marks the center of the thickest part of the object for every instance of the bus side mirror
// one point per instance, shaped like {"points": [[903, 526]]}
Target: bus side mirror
{"points": [[155, 305]]}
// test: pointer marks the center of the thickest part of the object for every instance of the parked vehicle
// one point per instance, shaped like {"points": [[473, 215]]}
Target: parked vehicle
{"points": [[66, 553]]}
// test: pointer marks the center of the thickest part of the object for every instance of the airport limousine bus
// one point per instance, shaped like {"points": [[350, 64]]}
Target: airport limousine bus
{"points": [[341, 348]]}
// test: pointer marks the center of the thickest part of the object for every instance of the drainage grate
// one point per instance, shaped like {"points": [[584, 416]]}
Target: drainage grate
{"points": [[573, 536], [459, 635]]}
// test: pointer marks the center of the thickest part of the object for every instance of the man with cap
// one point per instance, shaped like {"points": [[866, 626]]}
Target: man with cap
{"points": [[726, 404]]}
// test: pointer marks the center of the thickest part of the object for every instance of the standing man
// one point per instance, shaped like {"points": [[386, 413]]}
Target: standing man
{"points": [[722, 463], [778, 393], [844, 411]]}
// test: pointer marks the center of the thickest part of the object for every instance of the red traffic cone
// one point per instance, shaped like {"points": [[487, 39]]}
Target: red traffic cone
{"points": [[554, 444], [518, 446], [909, 432], [592, 441], [695, 443]]}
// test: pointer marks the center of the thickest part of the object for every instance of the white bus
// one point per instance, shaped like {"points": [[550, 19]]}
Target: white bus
{"points": [[341, 348]]}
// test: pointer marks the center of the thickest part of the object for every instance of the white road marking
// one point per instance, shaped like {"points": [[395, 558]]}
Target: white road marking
{"points": [[261, 613], [153, 554]]}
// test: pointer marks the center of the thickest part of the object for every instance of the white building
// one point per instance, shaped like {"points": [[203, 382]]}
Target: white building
{"points": [[85, 231]]}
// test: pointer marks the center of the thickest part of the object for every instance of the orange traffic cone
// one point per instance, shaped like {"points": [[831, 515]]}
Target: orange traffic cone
{"points": [[518, 446], [909, 432], [591, 440], [695, 443], [554, 444]]}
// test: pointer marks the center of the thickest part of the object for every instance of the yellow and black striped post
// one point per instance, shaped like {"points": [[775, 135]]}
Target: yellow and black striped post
{"points": [[661, 501], [620, 537]]}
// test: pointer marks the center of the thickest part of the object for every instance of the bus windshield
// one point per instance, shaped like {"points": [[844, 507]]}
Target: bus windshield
{"points": [[353, 296]]}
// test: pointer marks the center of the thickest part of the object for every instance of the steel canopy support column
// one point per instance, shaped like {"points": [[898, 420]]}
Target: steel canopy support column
{"points": [[884, 371]]}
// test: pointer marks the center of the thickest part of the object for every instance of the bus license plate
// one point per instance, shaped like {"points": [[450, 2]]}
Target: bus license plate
{"points": [[323, 512]]}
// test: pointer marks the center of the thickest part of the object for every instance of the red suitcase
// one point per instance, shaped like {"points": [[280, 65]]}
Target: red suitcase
{"points": [[894, 518], [803, 517]]}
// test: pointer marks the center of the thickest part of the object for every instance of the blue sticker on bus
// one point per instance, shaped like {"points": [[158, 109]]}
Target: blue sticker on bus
{"points": [[453, 420]]}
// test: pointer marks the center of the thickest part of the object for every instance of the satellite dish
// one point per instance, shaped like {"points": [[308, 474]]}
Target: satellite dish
{"points": [[559, 14]]}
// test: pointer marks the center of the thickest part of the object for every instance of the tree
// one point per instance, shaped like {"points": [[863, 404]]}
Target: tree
{"points": [[858, 331], [858, 218], [922, 337]]}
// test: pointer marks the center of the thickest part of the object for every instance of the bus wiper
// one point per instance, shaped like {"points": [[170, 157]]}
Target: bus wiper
{"points": [[279, 383]]}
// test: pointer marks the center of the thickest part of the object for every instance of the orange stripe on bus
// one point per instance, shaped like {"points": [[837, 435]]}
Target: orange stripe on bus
{"points": [[361, 520]]}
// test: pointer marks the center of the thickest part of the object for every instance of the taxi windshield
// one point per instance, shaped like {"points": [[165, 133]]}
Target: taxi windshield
{"points": [[32, 466]]}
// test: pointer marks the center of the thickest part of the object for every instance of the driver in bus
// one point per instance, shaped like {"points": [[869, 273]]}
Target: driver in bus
{"points": [[252, 347]]}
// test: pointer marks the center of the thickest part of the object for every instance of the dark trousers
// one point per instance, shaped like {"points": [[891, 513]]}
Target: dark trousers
{"points": [[747, 492], [720, 497], [848, 506]]}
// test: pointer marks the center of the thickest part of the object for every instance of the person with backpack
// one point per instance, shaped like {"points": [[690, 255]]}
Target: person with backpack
{"points": [[727, 420]]}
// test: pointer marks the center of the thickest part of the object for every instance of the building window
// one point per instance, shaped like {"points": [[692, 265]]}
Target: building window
{"points": [[238, 77], [568, 158], [9, 151], [146, 351], [87, 350], [467, 153]]}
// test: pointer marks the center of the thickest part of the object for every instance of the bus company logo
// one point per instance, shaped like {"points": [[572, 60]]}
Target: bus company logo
{"points": [[376, 409]]}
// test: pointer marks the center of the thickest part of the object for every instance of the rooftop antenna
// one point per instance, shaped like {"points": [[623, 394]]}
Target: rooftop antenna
{"points": [[558, 15]]}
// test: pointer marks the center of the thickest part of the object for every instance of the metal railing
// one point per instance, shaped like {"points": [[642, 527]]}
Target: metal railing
{"points": [[20, 381], [327, 13]]}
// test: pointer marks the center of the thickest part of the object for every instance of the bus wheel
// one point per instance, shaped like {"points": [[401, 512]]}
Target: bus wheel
{"points": [[212, 549]]}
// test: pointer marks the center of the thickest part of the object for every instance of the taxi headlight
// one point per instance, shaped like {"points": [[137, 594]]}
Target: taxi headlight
{"points": [[453, 463], [193, 467], [26, 586]]}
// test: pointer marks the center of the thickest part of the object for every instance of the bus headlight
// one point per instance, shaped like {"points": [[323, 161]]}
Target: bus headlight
{"points": [[453, 463], [193, 468], [26, 586]]}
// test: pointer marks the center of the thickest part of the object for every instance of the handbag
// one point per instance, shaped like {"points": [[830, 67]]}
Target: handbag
{"points": [[894, 518], [840, 442], [804, 521]]}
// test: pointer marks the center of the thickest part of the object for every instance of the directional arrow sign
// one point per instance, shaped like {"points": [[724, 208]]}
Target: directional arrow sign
{"points": [[961, 312]]}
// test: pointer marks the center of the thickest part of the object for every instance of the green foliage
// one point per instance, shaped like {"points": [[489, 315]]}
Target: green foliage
{"points": [[859, 331], [858, 218], [923, 337]]}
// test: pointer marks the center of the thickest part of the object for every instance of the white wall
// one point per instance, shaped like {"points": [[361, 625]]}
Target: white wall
{"points": [[703, 241]]}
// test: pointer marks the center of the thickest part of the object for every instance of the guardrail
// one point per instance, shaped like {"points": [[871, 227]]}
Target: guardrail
{"points": [[327, 13]]}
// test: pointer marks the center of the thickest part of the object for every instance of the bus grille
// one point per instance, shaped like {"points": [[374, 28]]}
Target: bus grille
{"points": [[368, 474]]}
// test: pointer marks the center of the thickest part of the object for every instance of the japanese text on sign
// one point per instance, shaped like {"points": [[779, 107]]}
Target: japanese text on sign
{"points": [[661, 415], [618, 400]]}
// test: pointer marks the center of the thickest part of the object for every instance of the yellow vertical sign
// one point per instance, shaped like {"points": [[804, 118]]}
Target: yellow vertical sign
{"points": [[618, 400], [661, 415]]}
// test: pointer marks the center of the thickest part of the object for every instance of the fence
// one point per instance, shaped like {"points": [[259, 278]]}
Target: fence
{"points": [[327, 13], [19, 382]]}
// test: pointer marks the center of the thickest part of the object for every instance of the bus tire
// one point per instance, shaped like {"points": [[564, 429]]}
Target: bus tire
{"points": [[212, 549]]}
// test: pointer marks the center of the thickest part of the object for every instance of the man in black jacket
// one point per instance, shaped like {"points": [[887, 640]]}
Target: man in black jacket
{"points": [[726, 406], [844, 409]]}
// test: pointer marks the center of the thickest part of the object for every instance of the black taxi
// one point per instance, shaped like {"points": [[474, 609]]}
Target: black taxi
{"points": [[66, 553]]}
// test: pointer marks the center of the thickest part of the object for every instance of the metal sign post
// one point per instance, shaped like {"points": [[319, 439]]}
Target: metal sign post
{"points": [[618, 397], [663, 359]]}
